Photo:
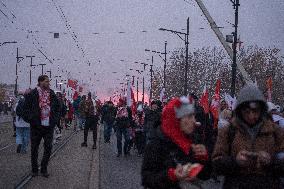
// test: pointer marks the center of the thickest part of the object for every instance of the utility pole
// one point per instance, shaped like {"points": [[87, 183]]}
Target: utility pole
{"points": [[236, 5], [31, 65], [164, 59], [186, 59], [221, 38], [19, 59], [165, 65], [185, 39], [56, 80], [41, 68], [151, 84], [133, 80], [137, 88], [143, 80], [49, 71]]}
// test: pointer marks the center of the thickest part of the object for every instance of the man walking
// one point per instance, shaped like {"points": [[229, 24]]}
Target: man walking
{"points": [[108, 118], [81, 111], [91, 121], [42, 111], [123, 121]]}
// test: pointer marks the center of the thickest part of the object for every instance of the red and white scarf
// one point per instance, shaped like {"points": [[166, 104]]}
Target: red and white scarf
{"points": [[44, 105]]}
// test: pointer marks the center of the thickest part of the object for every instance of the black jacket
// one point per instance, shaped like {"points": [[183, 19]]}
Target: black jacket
{"points": [[160, 155], [32, 109], [108, 114], [152, 122]]}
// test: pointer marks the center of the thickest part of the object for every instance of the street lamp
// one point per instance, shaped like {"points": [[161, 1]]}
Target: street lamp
{"points": [[164, 59], [7, 42], [186, 35]]}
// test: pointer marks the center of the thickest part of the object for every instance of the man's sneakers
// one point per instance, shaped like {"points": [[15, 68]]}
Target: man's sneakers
{"points": [[84, 144], [94, 146], [118, 155]]}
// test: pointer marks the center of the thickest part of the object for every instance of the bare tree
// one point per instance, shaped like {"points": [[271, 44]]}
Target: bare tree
{"points": [[206, 65]]}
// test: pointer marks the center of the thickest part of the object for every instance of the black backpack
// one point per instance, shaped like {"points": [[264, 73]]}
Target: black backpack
{"points": [[20, 107]]}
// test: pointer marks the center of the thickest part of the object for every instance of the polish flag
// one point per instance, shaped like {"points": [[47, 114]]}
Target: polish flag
{"points": [[204, 100], [130, 99], [269, 89], [72, 83]]}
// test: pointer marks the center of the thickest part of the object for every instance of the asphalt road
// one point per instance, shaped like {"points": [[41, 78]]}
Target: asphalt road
{"points": [[119, 173], [124, 172]]}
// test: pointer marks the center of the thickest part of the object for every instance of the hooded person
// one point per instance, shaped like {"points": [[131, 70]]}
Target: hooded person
{"points": [[173, 158], [249, 152]]}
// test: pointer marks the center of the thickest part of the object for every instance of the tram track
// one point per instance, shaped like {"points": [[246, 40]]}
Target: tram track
{"points": [[28, 177]]}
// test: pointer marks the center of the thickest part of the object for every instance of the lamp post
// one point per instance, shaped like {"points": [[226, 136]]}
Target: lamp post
{"points": [[185, 39], [41, 68], [31, 65], [236, 5], [164, 59]]}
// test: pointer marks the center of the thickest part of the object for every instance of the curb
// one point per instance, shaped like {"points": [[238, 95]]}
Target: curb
{"points": [[94, 179]]}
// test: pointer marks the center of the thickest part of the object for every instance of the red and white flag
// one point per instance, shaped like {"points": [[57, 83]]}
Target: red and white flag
{"points": [[162, 95], [204, 100], [72, 83], [269, 89], [215, 104], [130, 99]]}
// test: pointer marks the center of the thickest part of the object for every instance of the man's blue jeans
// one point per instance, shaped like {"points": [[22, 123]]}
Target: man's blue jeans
{"points": [[119, 132], [82, 122], [107, 131], [23, 137]]}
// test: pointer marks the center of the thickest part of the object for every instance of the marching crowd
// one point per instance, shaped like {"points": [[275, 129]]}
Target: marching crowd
{"points": [[177, 139]]}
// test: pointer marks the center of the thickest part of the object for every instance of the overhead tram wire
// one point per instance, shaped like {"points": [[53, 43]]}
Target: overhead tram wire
{"points": [[13, 21], [69, 29], [8, 9]]}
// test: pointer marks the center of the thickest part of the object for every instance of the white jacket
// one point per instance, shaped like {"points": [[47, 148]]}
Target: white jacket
{"points": [[19, 122]]}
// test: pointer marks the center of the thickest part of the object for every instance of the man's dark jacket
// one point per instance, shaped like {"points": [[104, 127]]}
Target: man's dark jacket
{"points": [[32, 112], [108, 114]]}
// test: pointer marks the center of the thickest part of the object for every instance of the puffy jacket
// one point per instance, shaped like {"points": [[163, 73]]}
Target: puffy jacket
{"points": [[266, 137]]}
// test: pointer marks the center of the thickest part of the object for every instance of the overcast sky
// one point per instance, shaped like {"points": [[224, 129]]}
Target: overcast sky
{"points": [[261, 23]]}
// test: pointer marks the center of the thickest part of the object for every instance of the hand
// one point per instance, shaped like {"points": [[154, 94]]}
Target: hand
{"points": [[242, 158], [199, 150], [263, 158], [181, 173]]}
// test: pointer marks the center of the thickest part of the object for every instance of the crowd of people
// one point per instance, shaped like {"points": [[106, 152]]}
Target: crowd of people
{"points": [[177, 140]]}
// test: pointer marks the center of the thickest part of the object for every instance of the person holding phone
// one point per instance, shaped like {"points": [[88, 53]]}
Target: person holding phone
{"points": [[249, 152], [173, 158]]}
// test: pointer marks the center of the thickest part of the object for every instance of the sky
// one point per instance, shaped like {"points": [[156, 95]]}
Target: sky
{"points": [[111, 30]]}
